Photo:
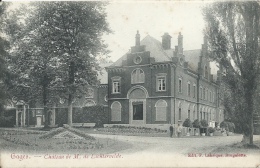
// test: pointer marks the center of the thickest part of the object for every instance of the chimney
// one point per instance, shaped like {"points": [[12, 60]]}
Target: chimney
{"points": [[166, 41], [180, 44], [175, 54], [137, 39]]}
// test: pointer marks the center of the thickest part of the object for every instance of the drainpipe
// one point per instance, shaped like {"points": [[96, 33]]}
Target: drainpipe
{"points": [[174, 94]]}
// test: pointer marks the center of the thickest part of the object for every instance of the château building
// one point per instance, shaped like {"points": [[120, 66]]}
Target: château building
{"points": [[155, 84]]}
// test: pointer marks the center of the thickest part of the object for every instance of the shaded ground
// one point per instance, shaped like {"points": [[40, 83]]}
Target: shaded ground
{"points": [[28, 141]]}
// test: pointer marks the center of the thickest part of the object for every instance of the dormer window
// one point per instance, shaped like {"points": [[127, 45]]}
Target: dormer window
{"points": [[137, 76], [116, 84]]}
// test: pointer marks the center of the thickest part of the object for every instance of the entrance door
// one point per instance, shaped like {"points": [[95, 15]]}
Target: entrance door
{"points": [[138, 113], [38, 121], [20, 119]]}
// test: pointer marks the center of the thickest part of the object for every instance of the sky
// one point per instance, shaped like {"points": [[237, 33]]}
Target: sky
{"points": [[153, 18]]}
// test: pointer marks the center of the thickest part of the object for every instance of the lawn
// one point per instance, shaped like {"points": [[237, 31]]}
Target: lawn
{"points": [[31, 141]]}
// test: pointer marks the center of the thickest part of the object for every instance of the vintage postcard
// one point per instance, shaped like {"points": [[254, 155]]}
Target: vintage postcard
{"points": [[129, 84]]}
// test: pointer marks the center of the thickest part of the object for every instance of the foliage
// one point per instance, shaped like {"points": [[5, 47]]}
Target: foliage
{"points": [[4, 46], [211, 130], [204, 123], [187, 123], [228, 126], [72, 32], [196, 123], [232, 29], [6, 121]]}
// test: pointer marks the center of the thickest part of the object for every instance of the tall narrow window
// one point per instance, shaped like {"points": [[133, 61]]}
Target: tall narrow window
{"points": [[161, 110], [188, 88], [180, 85], [194, 91], [206, 72], [189, 114], [210, 96], [194, 117], [116, 84], [137, 76], [161, 82], [204, 93], [179, 113], [201, 92], [116, 111]]}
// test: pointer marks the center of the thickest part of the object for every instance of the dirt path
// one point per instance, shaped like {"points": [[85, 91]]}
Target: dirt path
{"points": [[164, 145]]}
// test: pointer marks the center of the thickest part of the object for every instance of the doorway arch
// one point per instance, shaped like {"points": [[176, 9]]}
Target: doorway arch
{"points": [[137, 105]]}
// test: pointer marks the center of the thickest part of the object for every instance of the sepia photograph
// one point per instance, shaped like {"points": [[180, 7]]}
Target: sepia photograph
{"points": [[131, 83]]}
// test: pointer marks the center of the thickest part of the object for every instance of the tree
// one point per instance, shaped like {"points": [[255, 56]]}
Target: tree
{"points": [[71, 36], [4, 46], [233, 32]]}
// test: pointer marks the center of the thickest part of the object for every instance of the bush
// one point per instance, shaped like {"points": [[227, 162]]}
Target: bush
{"points": [[211, 130], [223, 124], [196, 123], [6, 121], [187, 123], [204, 123]]}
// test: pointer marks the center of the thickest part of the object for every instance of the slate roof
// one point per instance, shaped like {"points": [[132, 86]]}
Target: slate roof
{"points": [[103, 76], [161, 55]]}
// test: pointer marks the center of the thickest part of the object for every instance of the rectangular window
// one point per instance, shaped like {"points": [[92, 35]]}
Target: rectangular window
{"points": [[180, 85], [161, 83], [204, 93], [194, 91], [116, 87], [188, 89], [210, 96], [179, 113], [213, 97], [188, 114]]}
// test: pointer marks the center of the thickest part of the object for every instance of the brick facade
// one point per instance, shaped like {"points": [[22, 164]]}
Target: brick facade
{"points": [[154, 95]]}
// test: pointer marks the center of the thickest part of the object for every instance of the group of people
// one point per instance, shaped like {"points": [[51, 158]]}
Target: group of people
{"points": [[179, 129]]}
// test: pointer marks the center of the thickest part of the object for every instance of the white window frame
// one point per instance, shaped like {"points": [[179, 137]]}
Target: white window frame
{"points": [[158, 109], [120, 111], [201, 92], [137, 76], [159, 82], [194, 91], [115, 80], [180, 85], [188, 89]]}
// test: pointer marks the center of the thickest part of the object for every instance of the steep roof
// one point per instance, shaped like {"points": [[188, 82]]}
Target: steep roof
{"points": [[161, 55], [102, 76]]}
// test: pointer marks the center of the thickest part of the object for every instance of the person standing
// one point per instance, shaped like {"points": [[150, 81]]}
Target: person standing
{"points": [[179, 130], [171, 131]]}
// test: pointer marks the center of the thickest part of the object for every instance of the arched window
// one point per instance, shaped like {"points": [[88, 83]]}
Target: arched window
{"points": [[116, 111], [137, 76], [161, 110], [90, 103], [189, 111]]}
